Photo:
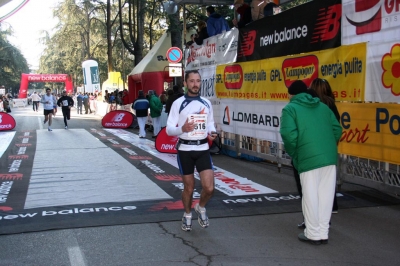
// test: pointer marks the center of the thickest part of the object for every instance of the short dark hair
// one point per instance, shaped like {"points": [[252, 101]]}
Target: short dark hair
{"points": [[190, 72], [47, 89], [210, 9]]}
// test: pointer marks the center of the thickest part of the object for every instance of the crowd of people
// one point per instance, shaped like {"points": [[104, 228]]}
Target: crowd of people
{"points": [[245, 13]]}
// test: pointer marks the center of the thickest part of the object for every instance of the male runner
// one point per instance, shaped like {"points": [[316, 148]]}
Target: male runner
{"points": [[66, 104], [191, 117], [48, 102]]}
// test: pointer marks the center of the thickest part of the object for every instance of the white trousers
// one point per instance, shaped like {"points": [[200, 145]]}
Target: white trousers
{"points": [[156, 125], [142, 126], [318, 187]]}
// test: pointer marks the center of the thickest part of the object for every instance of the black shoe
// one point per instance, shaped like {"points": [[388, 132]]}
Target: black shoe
{"points": [[303, 238], [324, 241], [301, 225], [154, 137]]}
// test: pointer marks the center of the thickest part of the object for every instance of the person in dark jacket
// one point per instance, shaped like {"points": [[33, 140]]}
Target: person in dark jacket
{"points": [[177, 93], [201, 32], [79, 103], [141, 106], [310, 133], [155, 112], [66, 103], [243, 11], [216, 24]]}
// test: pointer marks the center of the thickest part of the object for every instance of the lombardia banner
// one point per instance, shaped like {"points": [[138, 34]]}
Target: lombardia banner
{"points": [[268, 79]]}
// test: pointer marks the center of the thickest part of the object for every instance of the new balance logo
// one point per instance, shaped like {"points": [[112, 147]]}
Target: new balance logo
{"points": [[328, 24], [118, 117], [247, 46]]}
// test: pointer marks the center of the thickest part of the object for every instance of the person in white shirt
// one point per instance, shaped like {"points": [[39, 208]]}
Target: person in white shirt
{"points": [[191, 118], [48, 102], [35, 101]]}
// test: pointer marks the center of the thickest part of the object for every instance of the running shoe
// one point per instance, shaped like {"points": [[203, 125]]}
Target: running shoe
{"points": [[187, 222], [202, 216], [66, 127], [49, 129]]}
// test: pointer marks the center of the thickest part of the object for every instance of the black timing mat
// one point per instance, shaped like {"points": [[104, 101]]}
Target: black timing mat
{"points": [[15, 177]]}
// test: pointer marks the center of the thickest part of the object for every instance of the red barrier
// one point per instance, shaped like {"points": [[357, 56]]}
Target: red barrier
{"points": [[7, 122]]}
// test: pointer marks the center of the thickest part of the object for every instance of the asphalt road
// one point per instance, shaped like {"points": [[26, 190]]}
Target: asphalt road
{"points": [[358, 236]]}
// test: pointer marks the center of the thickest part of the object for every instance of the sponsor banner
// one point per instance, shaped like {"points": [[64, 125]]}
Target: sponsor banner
{"points": [[256, 119], [15, 171], [165, 143], [383, 72], [216, 50], [370, 130], [117, 119], [373, 21], [378, 23], [269, 79], [5, 140], [316, 27], [225, 181], [7, 122]]}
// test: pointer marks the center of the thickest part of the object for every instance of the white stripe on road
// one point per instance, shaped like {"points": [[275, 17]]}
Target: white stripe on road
{"points": [[76, 257]]}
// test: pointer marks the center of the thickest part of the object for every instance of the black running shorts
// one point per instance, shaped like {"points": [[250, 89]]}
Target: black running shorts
{"points": [[187, 160]]}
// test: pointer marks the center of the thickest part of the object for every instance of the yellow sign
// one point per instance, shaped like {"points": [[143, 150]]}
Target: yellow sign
{"points": [[370, 130], [344, 68]]}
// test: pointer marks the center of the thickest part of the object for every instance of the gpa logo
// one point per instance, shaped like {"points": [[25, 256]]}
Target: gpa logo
{"points": [[117, 119], [367, 16], [233, 77], [302, 68]]}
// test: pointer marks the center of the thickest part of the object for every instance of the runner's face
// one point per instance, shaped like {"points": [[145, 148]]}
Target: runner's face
{"points": [[48, 92], [193, 84]]}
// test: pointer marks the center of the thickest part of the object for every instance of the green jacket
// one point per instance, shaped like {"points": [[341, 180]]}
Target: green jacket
{"points": [[310, 132], [155, 106]]}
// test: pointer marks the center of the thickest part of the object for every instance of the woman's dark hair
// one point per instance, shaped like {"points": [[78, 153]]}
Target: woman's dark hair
{"points": [[323, 90]]}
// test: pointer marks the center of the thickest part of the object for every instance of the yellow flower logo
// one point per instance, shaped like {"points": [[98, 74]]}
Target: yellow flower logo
{"points": [[391, 70]]}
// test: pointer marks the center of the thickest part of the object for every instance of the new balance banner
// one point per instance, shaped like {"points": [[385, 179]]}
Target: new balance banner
{"points": [[309, 27], [117, 119], [7, 122], [165, 143]]}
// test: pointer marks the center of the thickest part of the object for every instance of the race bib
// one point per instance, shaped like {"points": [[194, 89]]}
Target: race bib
{"points": [[65, 102], [200, 128]]}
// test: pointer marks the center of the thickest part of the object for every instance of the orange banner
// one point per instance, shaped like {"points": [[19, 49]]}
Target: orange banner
{"points": [[371, 131]]}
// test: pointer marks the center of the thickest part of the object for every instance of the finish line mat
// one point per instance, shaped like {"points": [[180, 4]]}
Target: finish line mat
{"points": [[78, 178]]}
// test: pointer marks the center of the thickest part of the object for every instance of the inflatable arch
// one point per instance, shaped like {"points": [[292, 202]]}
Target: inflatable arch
{"points": [[26, 78]]}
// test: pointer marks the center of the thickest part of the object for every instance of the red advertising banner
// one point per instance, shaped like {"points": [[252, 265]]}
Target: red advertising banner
{"points": [[309, 27], [117, 119], [165, 143], [7, 122]]}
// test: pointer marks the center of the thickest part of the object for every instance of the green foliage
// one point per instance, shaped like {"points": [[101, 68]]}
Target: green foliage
{"points": [[12, 63]]}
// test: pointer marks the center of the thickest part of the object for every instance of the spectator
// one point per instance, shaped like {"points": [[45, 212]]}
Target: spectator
{"points": [[257, 9], [201, 32], [269, 8], [141, 106], [310, 132], [35, 101], [216, 24], [155, 112], [243, 11], [189, 43], [79, 100], [163, 98], [177, 94]]}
